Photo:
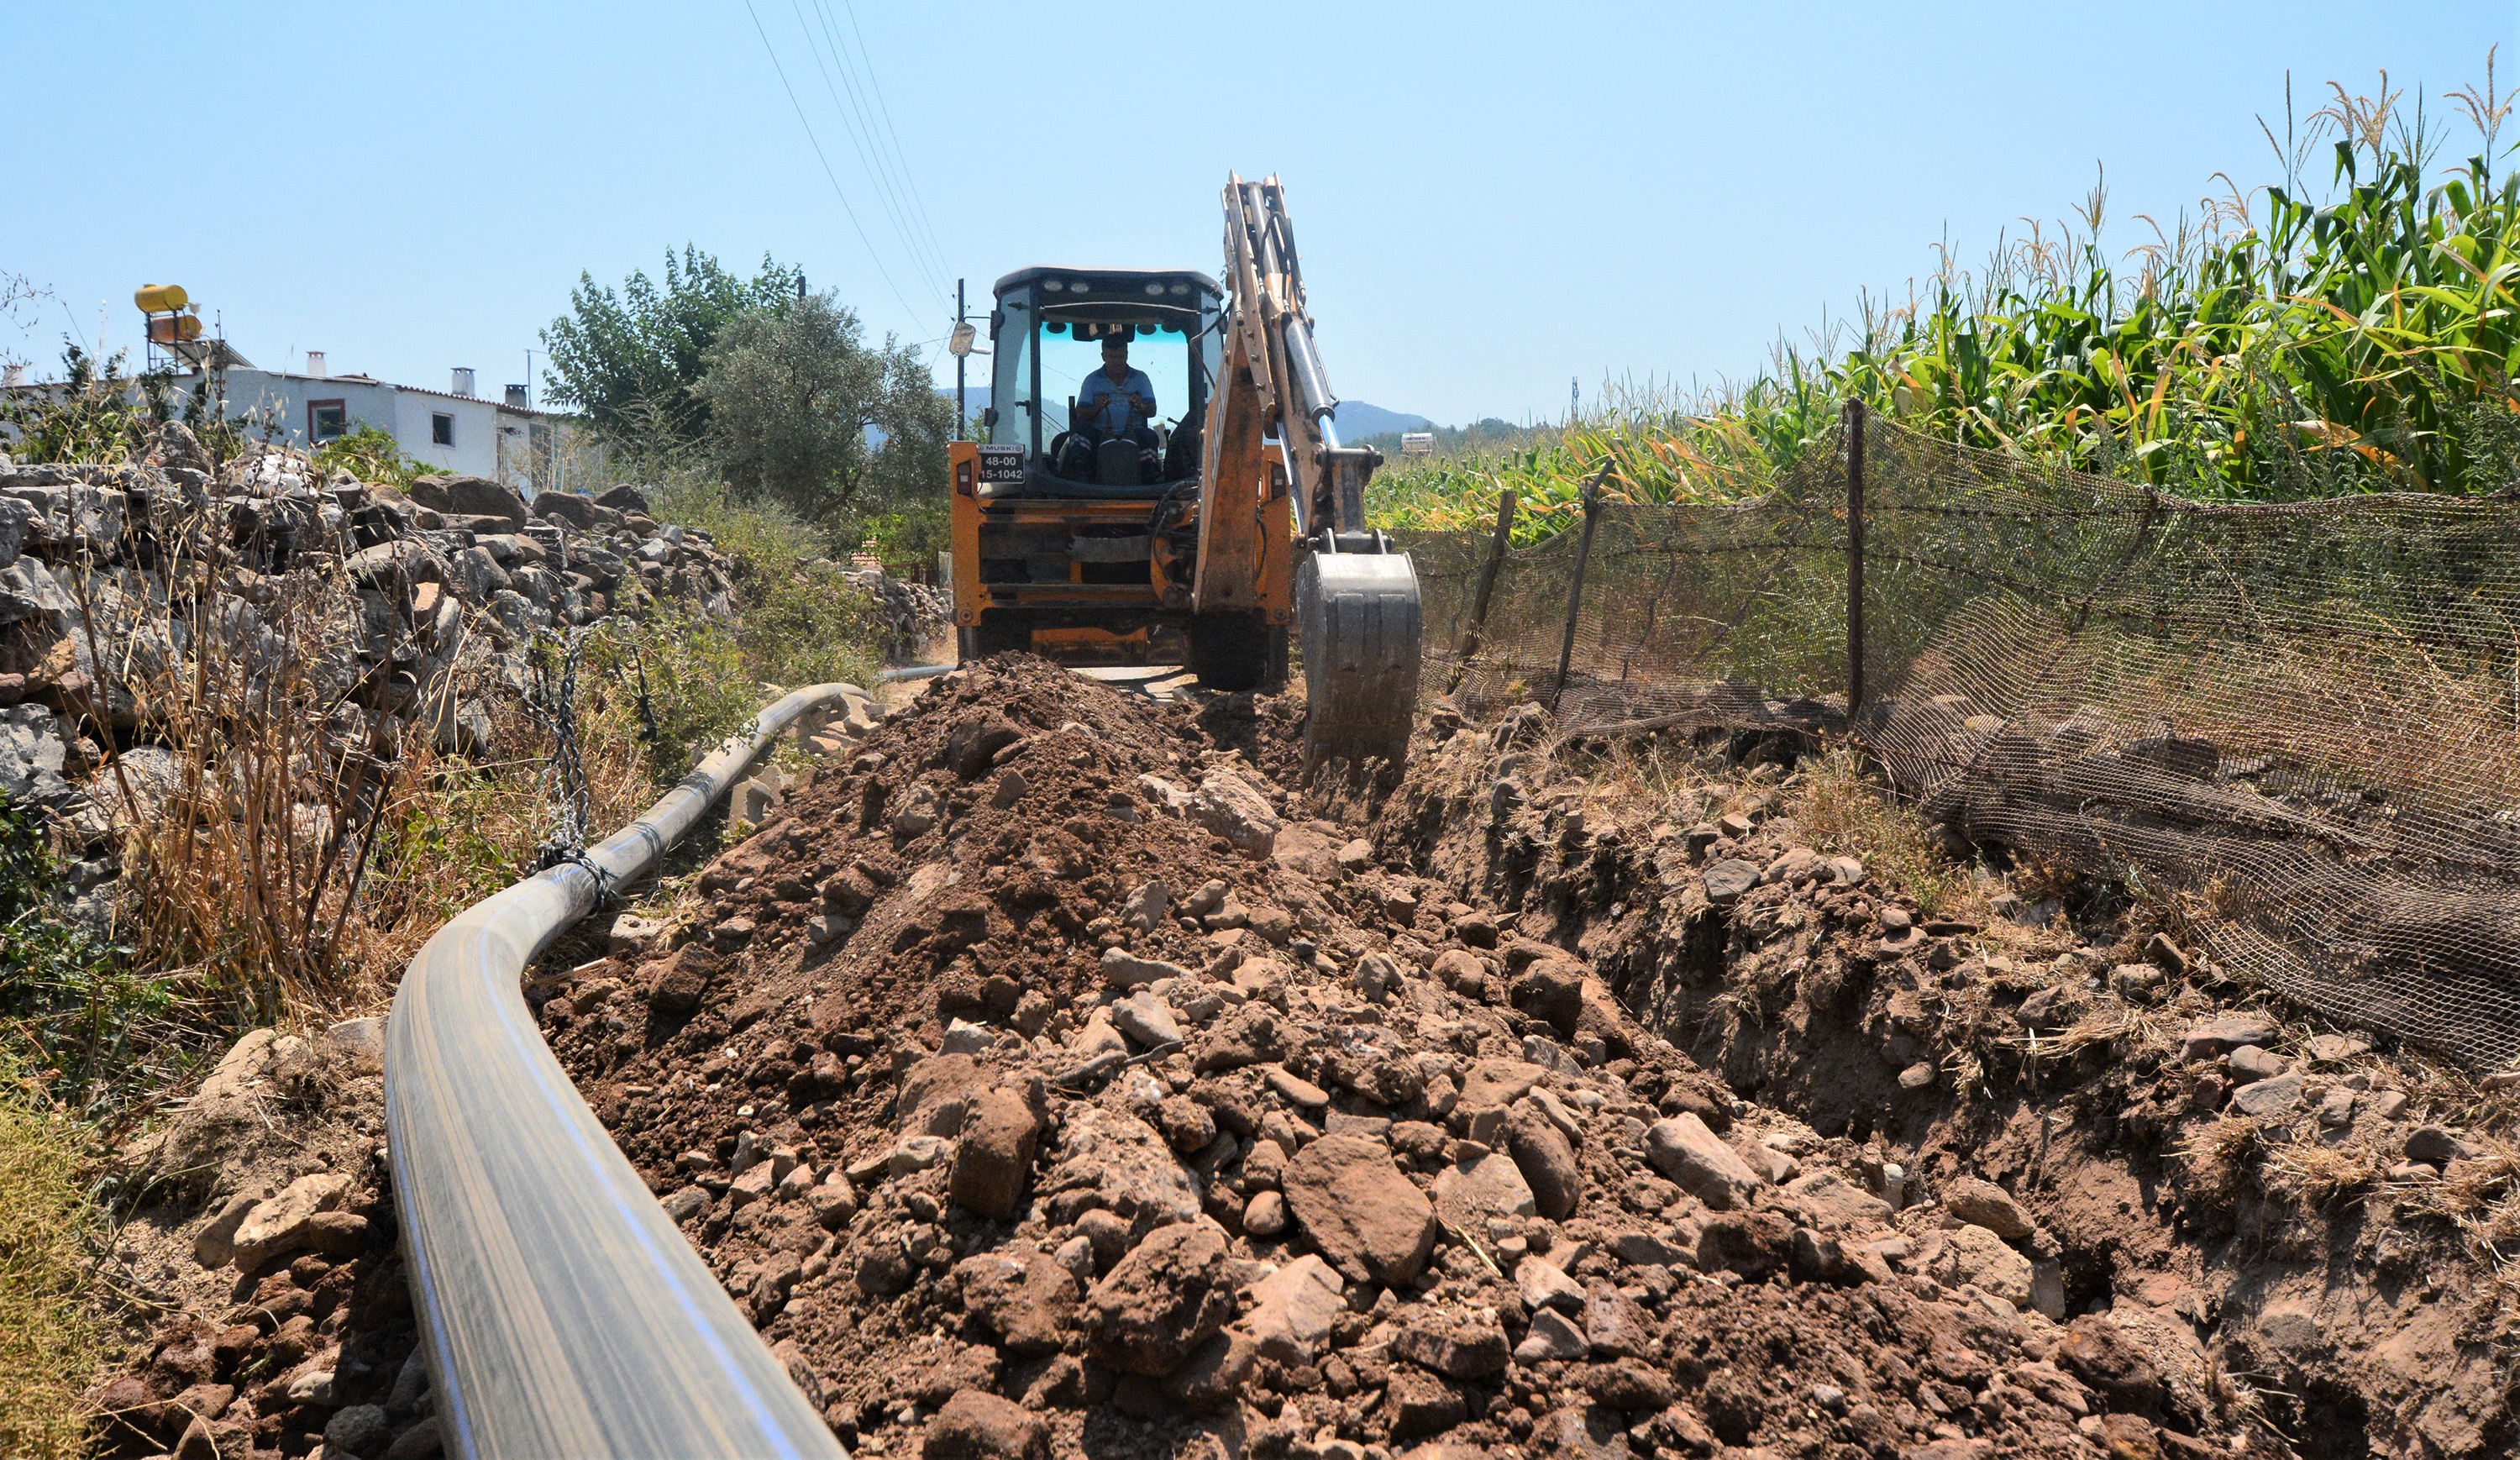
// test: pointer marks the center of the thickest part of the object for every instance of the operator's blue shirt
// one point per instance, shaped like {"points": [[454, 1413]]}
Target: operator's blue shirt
{"points": [[1105, 407]]}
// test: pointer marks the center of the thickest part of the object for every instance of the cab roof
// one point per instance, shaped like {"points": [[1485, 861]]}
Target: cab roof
{"points": [[1124, 282]]}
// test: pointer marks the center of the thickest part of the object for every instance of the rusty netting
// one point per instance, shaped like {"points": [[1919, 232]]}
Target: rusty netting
{"points": [[2298, 725]]}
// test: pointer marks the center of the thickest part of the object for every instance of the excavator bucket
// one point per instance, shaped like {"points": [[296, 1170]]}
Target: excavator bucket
{"points": [[1360, 625]]}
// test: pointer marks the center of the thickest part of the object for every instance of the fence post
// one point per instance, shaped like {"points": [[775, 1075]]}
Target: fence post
{"points": [[1854, 558], [1471, 635], [1575, 590]]}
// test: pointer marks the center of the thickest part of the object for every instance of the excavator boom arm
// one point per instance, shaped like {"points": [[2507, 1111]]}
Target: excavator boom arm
{"points": [[1356, 598]]}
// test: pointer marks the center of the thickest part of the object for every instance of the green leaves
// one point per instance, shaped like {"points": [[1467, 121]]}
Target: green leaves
{"points": [[628, 359], [2369, 345], [805, 413]]}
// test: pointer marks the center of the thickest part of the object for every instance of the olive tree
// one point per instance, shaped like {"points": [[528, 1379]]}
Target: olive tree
{"points": [[804, 411]]}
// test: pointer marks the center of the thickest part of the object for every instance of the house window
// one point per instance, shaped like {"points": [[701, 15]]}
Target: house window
{"points": [[442, 429], [327, 420]]}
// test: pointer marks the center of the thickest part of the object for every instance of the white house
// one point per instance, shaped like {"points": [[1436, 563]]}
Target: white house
{"points": [[453, 430]]}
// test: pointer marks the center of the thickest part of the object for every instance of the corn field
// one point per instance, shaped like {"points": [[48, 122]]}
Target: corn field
{"points": [[2293, 341]]}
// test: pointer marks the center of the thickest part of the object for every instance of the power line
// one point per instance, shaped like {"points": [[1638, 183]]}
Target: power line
{"points": [[892, 170], [873, 256], [875, 85], [862, 136]]}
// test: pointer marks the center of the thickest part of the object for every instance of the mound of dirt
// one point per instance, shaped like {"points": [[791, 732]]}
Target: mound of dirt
{"points": [[1042, 1084], [1043, 1078]]}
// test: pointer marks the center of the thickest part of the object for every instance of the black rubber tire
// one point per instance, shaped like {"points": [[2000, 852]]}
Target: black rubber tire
{"points": [[1231, 651]]}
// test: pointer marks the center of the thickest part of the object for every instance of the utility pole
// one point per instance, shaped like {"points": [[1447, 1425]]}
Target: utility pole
{"points": [[962, 413]]}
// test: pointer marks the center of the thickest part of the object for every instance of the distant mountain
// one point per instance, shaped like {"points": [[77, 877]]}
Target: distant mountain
{"points": [[1358, 420]]}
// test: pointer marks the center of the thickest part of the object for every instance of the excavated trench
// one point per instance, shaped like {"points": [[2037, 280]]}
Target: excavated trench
{"points": [[2326, 1271], [1047, 1076]]}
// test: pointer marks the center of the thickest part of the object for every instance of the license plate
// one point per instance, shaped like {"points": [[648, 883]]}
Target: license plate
{"points": [[1002, 464]]}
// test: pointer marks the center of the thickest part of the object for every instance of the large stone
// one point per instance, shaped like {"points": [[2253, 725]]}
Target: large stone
{"points": [[1975, 1255], [1542, 1283], [286, 1223], [974, 1424], [470, 496], [1164, 1300], [1229, 804], [1250, 1036], [1113, 1160], [2268, 1099], [938, 1095], [1989, 1206], [1548, 1160], [2438, 1145], [995, 1155], [1727, 881], [1552, 1335], [215, 1243], [973, 743], [1368, 1220], [1494, 1082], [1148, 1020], [1021, 1293], [1468, 1195], [1292, 1309], [1454, 1343], [2222, 1036], [1551, 989], [1421, 1404], [1700, 1163], [32, 752], [1128, 970], [2249, 1063], [676, 985], [358, 1430], [1215, 1370], [28, 590]]}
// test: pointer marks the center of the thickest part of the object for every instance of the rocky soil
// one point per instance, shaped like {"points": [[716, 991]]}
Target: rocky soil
{"points": [[1046, 1079], [409, 610]]}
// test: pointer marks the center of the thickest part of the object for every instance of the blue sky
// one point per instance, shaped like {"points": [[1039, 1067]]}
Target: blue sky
{"points": [[1492, 200]]}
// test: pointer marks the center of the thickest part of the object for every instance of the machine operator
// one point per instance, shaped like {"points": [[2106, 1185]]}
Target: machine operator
{"points": [[1116, 402]]}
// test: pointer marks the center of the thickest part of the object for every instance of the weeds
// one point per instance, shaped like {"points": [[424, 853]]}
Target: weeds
{"points": [[1846, 813], [70, 998], [47, 1343], [92, 415], [370, 455]]}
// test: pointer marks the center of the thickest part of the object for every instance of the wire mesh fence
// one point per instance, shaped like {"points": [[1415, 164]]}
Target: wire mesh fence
{"points": [[2298, 724]]}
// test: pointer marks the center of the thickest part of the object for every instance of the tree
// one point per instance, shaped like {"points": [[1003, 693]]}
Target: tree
{"points": [[802, 410], [629, 359]]}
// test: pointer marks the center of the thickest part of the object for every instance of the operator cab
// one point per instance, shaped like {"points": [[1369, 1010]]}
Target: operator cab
{"points": [[1048, 333]]}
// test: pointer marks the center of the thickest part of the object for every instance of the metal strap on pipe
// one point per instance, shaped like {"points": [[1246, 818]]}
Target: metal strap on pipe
{"points": [[562, 1312]]}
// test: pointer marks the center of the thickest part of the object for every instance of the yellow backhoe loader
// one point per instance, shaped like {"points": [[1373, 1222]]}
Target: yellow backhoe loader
{"points": [[1199, 519]]}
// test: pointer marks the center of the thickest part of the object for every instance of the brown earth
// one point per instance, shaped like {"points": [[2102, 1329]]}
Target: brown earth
{"points": [[1046, 1081]]}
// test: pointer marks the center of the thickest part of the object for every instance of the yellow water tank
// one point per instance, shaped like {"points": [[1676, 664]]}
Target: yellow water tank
{"points": [[167, 331], [159, 298]]}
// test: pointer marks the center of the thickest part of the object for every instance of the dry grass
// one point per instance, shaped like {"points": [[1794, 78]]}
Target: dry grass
{"points": [[46, 1343], [288, 845], [2223, 1156], [2315, 1175], [1846, 813], [306, 842]]}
